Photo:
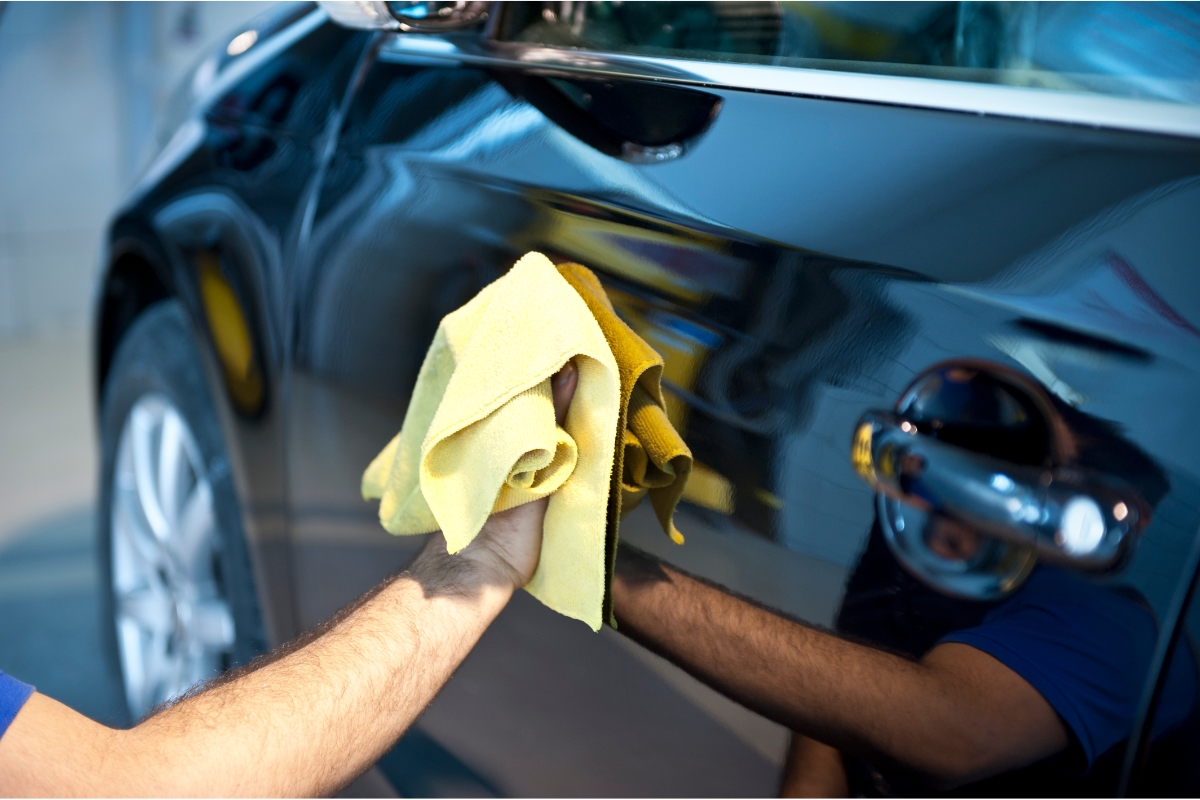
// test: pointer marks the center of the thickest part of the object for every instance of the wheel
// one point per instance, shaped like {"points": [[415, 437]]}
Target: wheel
{"points": [[176, 575]]}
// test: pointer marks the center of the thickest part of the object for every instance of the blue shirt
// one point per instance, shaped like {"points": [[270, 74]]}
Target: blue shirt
{"points": [[1086, 649], [13, 695]]}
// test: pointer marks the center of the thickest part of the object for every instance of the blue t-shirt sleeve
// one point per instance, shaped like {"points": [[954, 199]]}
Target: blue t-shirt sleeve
{"points": [[13, 695], [1085, 649]]}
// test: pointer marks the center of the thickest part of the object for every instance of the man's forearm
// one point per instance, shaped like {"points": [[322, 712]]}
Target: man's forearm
{"points": [[341, 700], [796, 675], [929, 716], [315, 714], [303, 724]]}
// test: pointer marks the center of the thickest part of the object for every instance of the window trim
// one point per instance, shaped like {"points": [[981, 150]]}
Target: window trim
{"points": [[1014, 102]]}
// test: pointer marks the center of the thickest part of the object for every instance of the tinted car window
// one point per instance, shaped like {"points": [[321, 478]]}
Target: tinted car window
{"points": [[1147, 50]]}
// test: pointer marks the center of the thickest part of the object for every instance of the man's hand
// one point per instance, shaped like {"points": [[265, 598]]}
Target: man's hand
{"points": [[315, 714], [508, 546]]}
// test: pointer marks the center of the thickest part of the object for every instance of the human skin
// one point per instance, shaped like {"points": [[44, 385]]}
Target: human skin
{"points": [[813, 769], [311, 717], [956, 716]]}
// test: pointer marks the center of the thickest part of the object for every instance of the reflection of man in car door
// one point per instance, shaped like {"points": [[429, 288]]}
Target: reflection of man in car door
{"points": [[920, 691]]}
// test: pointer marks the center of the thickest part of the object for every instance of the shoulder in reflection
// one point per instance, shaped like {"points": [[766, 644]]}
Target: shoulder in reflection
{"points": [[1084, 642], [1065, 659], [1084, 645]]}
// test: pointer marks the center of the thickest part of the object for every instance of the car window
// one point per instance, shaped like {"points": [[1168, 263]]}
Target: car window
{"points": [[1143, 50]]}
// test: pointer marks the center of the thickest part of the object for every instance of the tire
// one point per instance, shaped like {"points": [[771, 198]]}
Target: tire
{"points": [[176, 583]]}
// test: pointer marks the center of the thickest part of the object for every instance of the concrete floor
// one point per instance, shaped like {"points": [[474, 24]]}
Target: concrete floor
{"points": [[47, 436], [50, 622], [50, 625]]}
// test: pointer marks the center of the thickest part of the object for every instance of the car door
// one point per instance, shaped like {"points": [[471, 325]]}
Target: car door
{"points": [[543, 705], [800, 226]]}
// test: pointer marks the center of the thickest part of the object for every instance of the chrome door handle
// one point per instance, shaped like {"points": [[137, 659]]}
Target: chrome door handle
{"points": [[1064, 513]]}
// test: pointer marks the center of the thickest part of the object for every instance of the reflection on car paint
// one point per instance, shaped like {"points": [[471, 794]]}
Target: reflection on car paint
{"points": [[1111, 299], [787, 295], [684, 264]]}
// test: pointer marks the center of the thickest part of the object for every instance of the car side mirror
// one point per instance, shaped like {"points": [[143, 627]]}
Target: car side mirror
{"points": [[409, 17]]}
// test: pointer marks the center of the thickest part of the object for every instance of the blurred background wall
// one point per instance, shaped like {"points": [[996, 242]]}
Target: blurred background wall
{"points": [[80, 87]]}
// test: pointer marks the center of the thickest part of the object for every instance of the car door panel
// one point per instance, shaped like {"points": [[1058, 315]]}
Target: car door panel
{"points": [[952, 196], [798, 264]]}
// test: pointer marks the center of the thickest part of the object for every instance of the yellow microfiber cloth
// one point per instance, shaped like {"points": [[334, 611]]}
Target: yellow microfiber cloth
{"points": [[479, 435], [651, 457]]}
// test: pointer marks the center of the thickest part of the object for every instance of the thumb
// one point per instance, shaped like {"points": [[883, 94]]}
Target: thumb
{"points": [[562, 388]]}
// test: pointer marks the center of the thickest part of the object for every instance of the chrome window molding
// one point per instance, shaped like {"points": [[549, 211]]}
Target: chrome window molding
{"points": [[1073, 108]]}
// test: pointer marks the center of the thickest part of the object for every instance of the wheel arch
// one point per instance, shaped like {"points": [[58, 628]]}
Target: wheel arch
{"points": [[207, 250], [136, 275], [151, 257]]}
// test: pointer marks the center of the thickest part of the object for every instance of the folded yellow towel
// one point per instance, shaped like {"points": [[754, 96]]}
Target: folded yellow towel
{"points": [[479, 435], [651, 457]]}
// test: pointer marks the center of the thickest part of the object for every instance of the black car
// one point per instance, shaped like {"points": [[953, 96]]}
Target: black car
{"points": [[950, 248]]}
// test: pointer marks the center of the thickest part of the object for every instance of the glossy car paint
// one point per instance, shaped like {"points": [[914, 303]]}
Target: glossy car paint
{"points": [[798, 264]]}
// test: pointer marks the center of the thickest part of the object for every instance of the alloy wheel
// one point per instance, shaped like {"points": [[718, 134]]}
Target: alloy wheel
{"points": [[174, 622]]}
